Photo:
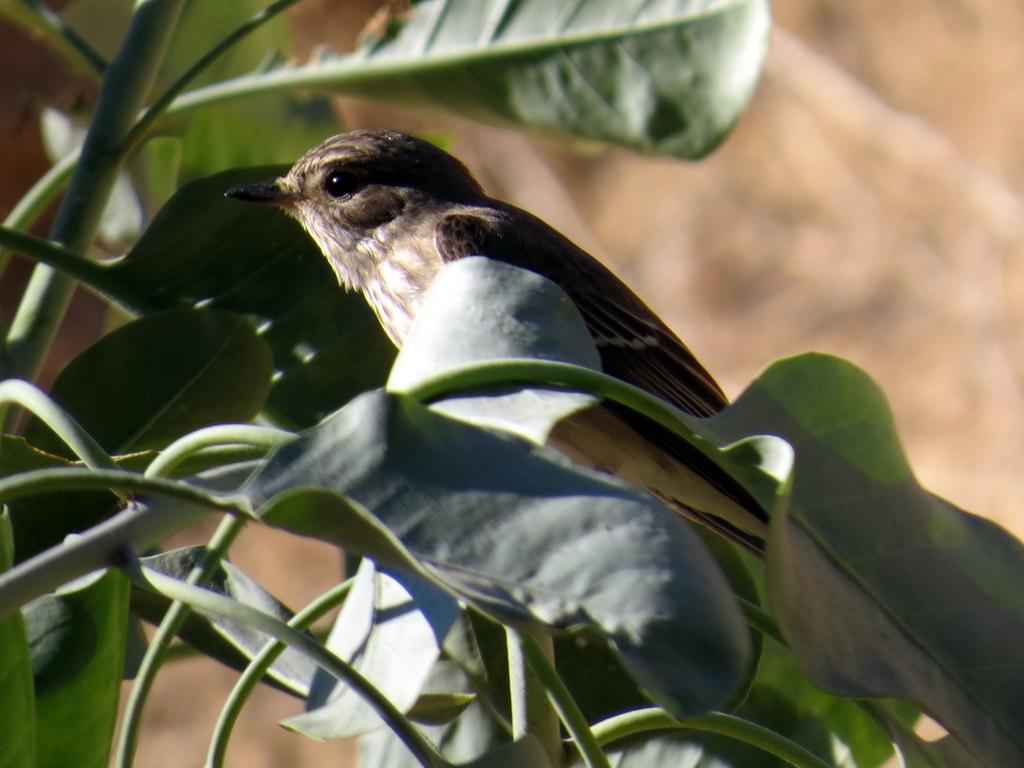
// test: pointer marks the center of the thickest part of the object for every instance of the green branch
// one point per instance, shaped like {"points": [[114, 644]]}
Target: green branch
{"points": [[104, 544], [653, 719], [96, 276], [128, 80], [222, 434], [545, 373]]}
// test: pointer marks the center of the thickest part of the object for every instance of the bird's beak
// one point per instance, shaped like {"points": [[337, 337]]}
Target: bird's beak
{"points": [[268, 192]]}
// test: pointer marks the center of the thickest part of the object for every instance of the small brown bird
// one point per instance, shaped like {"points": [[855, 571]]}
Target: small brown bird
{"points": [[388, 210]]}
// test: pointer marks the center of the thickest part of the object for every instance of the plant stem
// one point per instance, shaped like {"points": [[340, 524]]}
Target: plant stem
{"points": [[174, 618], [105, 543], [124, 91], [654, 719], [221, 434], [98, 277], [424, 752], [531, 712], [259, 666], [567, 708], [547, 373]]}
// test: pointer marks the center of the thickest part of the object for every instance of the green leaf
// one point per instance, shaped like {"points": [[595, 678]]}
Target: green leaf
{"points": [[439, 708], [733, 562], [205, 249], [519, 533], [160, 377], [227, 641], [882, 588], [668, 77], [77, 637], [496, 311], [391, 630], [17, 696], [472, 735]]}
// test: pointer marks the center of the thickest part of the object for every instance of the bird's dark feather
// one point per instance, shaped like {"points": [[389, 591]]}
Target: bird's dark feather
{"points": [[634, 344]]}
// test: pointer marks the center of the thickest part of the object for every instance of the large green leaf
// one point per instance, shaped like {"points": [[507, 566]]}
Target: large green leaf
{"points": [[477, 310], [881, 588], [669, 77], [77, 637], [17, 694], [205, 249], [160, 377], [512, 529]]}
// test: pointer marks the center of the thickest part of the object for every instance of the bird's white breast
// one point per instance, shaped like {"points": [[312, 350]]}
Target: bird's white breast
{"points": [[394, 289]]}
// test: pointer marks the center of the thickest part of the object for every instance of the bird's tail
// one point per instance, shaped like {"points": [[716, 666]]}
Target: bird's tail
{"points": [[616, 440]]}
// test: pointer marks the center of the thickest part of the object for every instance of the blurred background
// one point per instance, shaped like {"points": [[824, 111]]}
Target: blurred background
{"points": [[868, 205]]}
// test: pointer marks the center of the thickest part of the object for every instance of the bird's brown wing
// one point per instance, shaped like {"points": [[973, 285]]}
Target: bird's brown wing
{"points": [[634, 344]]}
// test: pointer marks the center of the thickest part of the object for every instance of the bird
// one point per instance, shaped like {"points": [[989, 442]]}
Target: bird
{"points": [[388, 210]]}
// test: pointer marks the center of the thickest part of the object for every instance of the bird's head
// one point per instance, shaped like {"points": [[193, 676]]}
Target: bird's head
{"points": [[347, 190]]}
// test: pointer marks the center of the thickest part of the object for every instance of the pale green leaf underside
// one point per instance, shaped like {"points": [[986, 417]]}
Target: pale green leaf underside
{"points": [[670, 76]]}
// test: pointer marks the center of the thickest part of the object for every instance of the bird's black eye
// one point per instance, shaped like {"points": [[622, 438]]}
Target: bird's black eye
{"points": [[339, 183]]}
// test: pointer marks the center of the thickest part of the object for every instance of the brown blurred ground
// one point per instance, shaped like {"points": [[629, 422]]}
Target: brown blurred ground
{"points": [[868, 205]]}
